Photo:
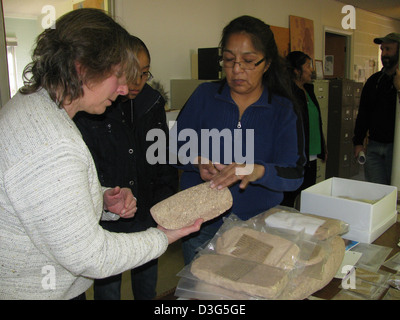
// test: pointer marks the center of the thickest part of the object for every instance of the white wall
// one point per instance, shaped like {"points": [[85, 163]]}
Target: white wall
{"points": [[173, 29], [25, 31]]}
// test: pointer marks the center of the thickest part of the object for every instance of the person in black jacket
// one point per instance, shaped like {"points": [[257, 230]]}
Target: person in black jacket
{"points": [[377, 113], [300, 68], [117, 141]]}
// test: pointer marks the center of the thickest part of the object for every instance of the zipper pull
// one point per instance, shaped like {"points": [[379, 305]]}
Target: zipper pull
{"points": [[239, 125]]}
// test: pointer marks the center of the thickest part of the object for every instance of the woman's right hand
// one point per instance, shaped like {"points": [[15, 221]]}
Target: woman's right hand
{"points": [[174, 235]]}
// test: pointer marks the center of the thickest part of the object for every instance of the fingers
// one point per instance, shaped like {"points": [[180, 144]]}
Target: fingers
{"points": [[130, 209], [230, 174], [174, 235], [226, 176], [130, 201], [130, 204], [193, 228], [244, 183], [125, 213], [207, 171], [114, 191], [120, 201]]}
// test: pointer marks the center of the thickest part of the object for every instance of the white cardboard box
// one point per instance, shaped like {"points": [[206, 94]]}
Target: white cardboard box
{"points": [[333, 198]]}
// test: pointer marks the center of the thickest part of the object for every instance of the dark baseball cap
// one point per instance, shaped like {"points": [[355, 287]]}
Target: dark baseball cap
{"points": [[391, 37]]}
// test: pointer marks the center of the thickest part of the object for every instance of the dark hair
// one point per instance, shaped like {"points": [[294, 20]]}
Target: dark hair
{"points": [[295, 61], [140, 46], [276, 78], [86, 36]]}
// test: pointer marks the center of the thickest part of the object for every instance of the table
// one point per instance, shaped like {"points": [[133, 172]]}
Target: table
{"points": [[390, 238]]}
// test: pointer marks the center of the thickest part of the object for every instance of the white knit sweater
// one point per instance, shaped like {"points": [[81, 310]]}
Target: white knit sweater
{"points": [[51, 243]]}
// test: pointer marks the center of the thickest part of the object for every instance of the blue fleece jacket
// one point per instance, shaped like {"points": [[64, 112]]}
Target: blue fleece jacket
{"points": [[278, 144]]}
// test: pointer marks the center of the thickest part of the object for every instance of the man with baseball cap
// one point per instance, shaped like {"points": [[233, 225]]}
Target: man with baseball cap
{"points": [[377, 113]]}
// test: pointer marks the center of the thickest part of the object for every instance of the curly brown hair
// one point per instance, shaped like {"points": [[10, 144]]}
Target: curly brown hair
{"points": [[89, 37]]}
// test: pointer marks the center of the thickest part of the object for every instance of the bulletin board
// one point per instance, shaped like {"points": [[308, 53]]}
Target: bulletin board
{"points": [[282, 39], [302, 35], [105, 5]]}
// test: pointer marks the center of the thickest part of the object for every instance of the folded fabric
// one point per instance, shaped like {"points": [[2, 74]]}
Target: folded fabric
{"points": [[320, 227], [294, 221]]}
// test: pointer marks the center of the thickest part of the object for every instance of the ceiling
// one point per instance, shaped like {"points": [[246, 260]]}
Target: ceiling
{"points": [[32, 8], [387, 8]]}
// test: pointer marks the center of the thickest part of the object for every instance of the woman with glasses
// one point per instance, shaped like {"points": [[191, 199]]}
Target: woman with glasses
{"points": [[254, 100], [117, 141], [300, 69]]}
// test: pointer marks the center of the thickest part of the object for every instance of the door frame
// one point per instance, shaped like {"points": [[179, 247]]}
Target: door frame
{"points": [[4, 85], [349, 46]]}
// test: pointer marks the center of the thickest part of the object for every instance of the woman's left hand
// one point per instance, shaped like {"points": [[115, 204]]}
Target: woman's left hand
{"points": [[120, 201], [174, 235], [230, 174]]}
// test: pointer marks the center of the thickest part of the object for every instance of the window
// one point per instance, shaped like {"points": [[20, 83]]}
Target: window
{"points": [[12, 65]]}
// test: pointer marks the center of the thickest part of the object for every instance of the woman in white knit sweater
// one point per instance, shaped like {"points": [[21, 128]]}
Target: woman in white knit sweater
{"points": [[51, 243]]}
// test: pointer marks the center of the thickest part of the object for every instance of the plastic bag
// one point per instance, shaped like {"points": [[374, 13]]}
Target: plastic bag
{"points": [[249, 260], [394, 262], [369, 285], [243, 260], [394, 281], [373, 256], [321, 228], [392, 294]]}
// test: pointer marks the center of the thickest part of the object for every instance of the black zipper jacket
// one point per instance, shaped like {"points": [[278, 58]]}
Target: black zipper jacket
{"points": [[117, 141], [302, 105], [377, 110]]}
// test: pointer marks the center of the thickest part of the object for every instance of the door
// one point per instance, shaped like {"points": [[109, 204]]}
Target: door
{"points": [[335, 55]]}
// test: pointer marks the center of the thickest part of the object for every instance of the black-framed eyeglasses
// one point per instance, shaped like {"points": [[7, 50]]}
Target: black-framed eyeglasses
{"points": [[147, 76], [230, 63]]}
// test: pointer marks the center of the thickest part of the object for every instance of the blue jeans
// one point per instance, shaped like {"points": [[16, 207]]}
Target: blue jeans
{"points": [[378, 165], [191, 243], [143, 279]]}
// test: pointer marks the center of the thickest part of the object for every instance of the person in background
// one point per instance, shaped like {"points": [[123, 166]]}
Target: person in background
{"points": [[51, 242], [377, 114], [300, 68], [117, 142], [254, 98]]}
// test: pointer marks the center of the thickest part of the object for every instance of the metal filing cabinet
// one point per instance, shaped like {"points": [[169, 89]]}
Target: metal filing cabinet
{"points": [[357, 88], [343, 106], [321, 90]]}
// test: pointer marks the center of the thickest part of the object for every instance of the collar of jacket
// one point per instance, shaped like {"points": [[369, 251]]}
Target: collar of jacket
{"points": [[144, 101], [224, 93], [148, 97]]}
